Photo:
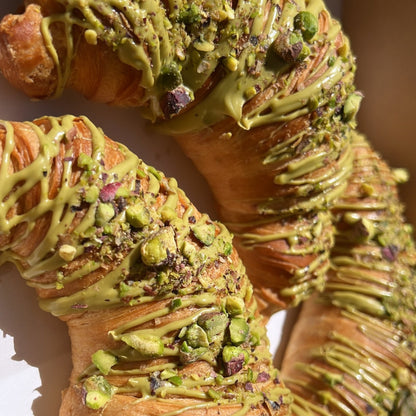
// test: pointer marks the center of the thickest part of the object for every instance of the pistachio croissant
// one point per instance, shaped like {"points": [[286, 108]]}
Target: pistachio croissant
{"points": [[259, 94], [161, 315], [352, 349]]}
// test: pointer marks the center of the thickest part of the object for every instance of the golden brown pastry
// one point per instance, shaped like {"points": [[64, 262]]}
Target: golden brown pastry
{"points": [[258, 93], [352, 349], [161, 315]]}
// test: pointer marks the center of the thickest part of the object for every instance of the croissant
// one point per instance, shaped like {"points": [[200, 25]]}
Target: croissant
{"points": [[160, 312], [352, 351], [260, 95]]}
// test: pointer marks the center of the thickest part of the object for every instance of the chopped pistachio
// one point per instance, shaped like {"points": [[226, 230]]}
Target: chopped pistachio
{"points": [[146, 344], [367, 189], [190, 15], [99, 392], [167, 213], [176, 380], [196, 337], [307, 23], [234, 358], [343, 50], [156, 249], [67, 252], [104, 360], [176, 303], [304, 53], [351, 106], [234, 305], [85, 161], [122, 192], [214, 324], [170, 77], [203, 45], [91, 194], [403, 376], [239, 330], [287, 47], [91, 36], [168, 373], [400, 175], [331, 60], [105, 212], [231, 63], [138, 216], [205, 233], [187, 354], [189, 251]]}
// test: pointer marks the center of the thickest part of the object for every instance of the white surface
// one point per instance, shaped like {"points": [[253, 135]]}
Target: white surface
{"points": [[34, 347]]}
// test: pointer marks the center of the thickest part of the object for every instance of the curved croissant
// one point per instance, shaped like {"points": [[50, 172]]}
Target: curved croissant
{"points": [[258, 93], [352, 349], [161, 315]]}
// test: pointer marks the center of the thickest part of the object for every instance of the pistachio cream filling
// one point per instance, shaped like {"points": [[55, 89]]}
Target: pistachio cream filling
{"points": [[127, 236]]}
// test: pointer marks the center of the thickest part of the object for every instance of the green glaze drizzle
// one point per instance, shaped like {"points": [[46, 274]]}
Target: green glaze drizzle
{"points": [[153, 249], [151, 37], [372, 283]]}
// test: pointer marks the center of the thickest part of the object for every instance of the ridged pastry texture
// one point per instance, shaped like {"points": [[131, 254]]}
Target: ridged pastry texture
{"points": [[259, 94], [161, 315], [352, 349]]}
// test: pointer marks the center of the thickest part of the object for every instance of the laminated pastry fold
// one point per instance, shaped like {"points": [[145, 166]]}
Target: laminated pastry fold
{"points": [[259, 94], [352, 349], [160, 312]]}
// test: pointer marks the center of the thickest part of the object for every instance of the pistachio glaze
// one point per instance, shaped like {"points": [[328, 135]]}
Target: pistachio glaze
{"points": [[121, 235], [259, 64], [369, 370], [181, 45]]}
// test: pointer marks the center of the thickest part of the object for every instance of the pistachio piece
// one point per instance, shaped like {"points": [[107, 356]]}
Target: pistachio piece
{"points": [[196, 336], [239, 330], [156, 249], [214, 325], [288, 47], [104, 360], [146, 344], [307, 23], [234, 358], [99, 392], [170, 77], [205, 233], [187, 354], [105, 212], [91, 194], [138, 215], [67, 252], [234, 305], [168, 373], [190, 15], [175, 380], [174, 101], [91, 36], [351, 106], [231, 63], [85, 161], [189, 251], [167, 214]]}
